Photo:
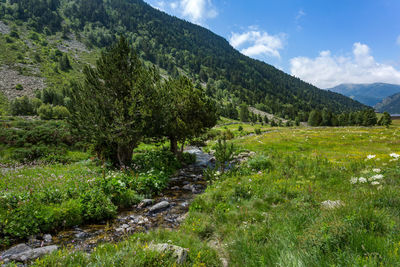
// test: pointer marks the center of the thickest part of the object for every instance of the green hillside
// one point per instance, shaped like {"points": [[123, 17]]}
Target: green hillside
{"points": [[39, 32]]}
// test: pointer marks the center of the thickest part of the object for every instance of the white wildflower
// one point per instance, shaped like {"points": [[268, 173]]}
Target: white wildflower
{"points": [[354, 180], [394, 155], [376, 170], [377, 177], [375, 183], [371, 156], [362, 180]]}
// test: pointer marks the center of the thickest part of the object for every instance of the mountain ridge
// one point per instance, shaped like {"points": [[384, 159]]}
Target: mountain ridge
{"points": [[368, 94], [178, 47]]}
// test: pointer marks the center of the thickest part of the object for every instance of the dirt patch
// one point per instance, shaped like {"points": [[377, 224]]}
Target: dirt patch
{"points": [[4, 29], [9, 79]]}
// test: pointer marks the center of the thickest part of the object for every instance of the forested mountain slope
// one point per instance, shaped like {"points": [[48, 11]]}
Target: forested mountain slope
{"points": [[176, 46], [390, 104]]}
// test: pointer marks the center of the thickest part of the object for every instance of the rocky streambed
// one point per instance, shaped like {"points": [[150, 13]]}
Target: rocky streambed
{"points": [[166, 211]]}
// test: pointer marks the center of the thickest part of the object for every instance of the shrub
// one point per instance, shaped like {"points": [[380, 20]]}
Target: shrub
{"points": [[45, 112], [240, 128], [19, 87], [257, 131], [60, 112], [260, 163], [21, 106], [96, 205]]}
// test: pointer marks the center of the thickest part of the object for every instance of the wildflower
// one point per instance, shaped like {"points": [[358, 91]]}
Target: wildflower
{"points": [[375, 183], [377, 177], [362, 180], [354, 180], [376, 170], [394, 155], [371, 156]]}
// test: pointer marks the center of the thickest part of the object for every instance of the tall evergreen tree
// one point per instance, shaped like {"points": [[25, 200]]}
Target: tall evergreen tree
{"points": [[111, 107], [187, 112]]}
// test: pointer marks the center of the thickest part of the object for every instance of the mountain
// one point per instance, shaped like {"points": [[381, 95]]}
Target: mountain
{"points": [[37, 33], [368, 94], [390, 104]]}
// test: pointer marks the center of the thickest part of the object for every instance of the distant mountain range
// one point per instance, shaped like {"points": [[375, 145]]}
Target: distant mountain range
{"points": [[390, 104], [368, 94]]}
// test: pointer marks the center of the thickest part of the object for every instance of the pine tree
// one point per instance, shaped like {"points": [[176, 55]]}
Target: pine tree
{"points": [[111, 107]]}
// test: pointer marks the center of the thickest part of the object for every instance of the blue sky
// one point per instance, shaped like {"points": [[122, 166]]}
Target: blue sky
{"points": [[324, 42]]}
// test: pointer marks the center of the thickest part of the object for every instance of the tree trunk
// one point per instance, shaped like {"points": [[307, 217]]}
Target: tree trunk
{"points": [[183, 146], [174, 145], [124, 155]]}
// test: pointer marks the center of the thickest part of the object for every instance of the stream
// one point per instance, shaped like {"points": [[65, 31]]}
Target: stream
{"points": [[167, 211]]}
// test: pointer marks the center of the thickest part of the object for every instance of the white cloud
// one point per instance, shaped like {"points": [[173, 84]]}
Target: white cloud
{"points": [[258, 43], [327, 70], [196, 11], [299, 16]]}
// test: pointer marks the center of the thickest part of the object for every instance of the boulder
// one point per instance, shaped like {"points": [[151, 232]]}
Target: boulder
{"points": [[145, 202], [178, 252], [25, 253], [47, 238], [15, 250], [159, 206]]}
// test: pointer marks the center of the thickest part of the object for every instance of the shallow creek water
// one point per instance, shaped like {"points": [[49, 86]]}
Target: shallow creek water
{"points": [[175, 201]]}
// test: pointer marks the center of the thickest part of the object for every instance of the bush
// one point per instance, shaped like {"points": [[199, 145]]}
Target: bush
{"points": [[45, 112], [19, 87], [60, 112], [260, 163], [257, 131], [21, 106], [157, 160], [96, 205]]}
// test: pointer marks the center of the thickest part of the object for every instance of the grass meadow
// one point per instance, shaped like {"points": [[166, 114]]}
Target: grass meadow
{"points": [[309, 197]]}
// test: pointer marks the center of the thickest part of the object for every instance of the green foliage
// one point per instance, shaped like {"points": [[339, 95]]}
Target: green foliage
{"points": [[186, 111], [19, 87], [96, 204], [60, 113], [45, 112], [244, 113], [22, 106], [4, 104], [112, 106], [223, 153], [260, 163]]}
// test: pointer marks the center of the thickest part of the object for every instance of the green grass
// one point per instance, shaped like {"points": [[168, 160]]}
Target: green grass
{"points": [[269, 213]]}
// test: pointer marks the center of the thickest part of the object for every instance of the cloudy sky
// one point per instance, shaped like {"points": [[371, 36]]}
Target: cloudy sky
{"points": [[323, 42]]}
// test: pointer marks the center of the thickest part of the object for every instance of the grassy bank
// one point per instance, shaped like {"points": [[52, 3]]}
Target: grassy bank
{"points": [[45, 198], [275, 209]]}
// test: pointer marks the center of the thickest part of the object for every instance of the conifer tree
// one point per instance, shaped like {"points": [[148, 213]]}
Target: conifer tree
{"points": [[111, 107]]}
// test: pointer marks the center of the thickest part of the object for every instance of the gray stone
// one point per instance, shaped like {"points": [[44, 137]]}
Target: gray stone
{"points": [[159, 206], [145, 202], [178, 252], [124, 226], [47, 238], [18, 249], [32, 254], [80, 235]]}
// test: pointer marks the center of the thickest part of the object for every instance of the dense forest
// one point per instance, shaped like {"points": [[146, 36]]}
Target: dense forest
{"points": [[178, 47]]}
